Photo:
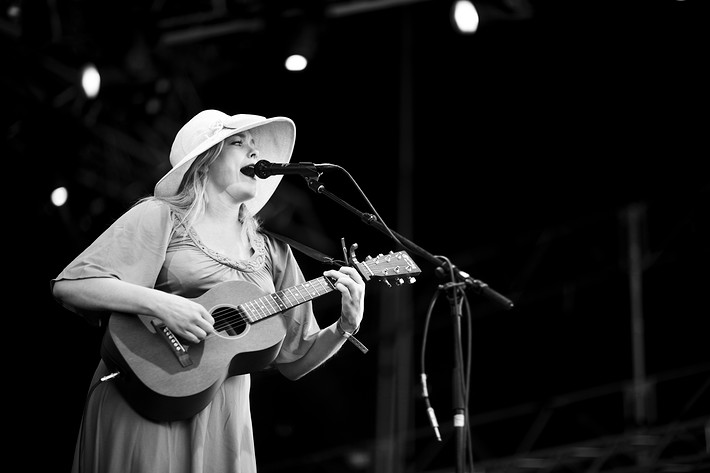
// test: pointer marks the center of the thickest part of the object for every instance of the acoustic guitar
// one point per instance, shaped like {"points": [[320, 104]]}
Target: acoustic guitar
{"points": [[164, 378]]}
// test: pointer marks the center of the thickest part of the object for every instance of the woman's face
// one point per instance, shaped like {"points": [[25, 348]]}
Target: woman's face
{"points": [[224, 174]]}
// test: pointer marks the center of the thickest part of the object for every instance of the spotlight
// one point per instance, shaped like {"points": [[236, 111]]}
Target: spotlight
{"points": [[296, 62], [59, 196], [304, 35], [464, 17], [90, 81]]}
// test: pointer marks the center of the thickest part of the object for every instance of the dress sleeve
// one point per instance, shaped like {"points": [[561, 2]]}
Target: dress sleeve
{"points": [[301, 324], [131, 249]]}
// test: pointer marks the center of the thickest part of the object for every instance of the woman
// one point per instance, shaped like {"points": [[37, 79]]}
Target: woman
{"points": [[197, 231]]}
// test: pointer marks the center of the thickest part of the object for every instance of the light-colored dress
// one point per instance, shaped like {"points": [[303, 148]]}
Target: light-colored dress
{"points": [[145, 247]]}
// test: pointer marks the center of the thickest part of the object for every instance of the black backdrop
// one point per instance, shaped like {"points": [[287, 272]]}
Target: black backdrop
{"points": [[527, 145]]}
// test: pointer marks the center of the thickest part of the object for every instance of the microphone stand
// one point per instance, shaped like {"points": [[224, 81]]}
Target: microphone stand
{"points": [[460, 280]]}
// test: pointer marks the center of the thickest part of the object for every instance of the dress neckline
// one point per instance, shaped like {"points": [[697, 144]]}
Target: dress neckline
{"points": [[252, 263]]}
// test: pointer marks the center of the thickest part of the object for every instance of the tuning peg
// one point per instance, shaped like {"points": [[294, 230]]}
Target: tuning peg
{"points": [[412, 280], [387, 283], [398, 282], [368, 258]]}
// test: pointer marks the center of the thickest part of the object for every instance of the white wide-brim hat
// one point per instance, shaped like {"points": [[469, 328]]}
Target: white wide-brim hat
{"points": [[275, 138]]}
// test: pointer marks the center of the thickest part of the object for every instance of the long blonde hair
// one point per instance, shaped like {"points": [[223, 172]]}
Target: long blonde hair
{"points": [[190, 201]]}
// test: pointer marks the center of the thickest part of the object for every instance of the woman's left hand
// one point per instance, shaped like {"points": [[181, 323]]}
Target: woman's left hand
{"points": [[352, 290]]}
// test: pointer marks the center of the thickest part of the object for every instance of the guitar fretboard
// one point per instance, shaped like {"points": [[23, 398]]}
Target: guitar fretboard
{"points": [[394, 266], [272, 304]]}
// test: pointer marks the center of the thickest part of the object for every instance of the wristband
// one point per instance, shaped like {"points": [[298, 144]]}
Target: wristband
{"points": [[343, 332], [351, 337]]}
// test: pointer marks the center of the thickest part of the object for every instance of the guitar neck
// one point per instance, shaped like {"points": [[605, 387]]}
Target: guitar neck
{"points": [[277, 302]]}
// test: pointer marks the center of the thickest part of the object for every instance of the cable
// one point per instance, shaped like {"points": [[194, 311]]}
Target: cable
{"points": [[391, 234], [423, 376], [458, 291], [469, 332]]}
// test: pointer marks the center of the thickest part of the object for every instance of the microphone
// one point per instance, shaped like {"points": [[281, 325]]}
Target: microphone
{"points": [[484, 289], [263, 169]]}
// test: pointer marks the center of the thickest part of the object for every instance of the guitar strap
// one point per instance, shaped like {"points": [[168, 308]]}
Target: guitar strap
{"points": [[323, 258], [313, 253]]}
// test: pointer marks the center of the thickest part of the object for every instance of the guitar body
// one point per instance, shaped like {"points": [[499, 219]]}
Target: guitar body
{"points": [[164, 379], [152, 378]]}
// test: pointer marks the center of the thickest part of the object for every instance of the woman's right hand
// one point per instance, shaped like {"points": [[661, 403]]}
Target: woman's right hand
{"points": [[185, 318]]}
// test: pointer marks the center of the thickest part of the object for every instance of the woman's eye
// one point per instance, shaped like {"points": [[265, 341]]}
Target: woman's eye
{"points": [[237, 142]]}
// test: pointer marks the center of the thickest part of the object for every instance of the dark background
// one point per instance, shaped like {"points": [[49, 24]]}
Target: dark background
{"points": [[520, 153]]}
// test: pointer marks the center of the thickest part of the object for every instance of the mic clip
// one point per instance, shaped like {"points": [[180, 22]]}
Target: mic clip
{"points": [[315, 185]]}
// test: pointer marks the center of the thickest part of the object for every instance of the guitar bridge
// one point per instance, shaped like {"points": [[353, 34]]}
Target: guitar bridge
{"points": [[176, 347]]}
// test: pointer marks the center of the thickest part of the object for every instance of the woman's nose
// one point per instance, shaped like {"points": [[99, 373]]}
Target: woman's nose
{"points": [[254, 154]]}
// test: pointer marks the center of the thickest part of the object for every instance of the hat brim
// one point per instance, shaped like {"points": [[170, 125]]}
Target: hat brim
{"points": [[275, 138]]}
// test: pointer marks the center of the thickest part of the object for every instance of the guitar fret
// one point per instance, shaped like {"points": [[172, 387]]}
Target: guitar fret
{"points": [[267, 310], [299, 292], [264, 300], [295, 297], [317, 287], [273, 308], [248, 312], [328, 286], [284, 296], [274, 304], [257, 310], [321, 282], [280, 301]]}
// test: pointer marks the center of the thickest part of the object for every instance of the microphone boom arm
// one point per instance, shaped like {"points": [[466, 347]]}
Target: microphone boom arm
{"points": [[478, 287]]}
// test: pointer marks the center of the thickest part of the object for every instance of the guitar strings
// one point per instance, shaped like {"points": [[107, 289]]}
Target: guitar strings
{"points": [[237, 317]]}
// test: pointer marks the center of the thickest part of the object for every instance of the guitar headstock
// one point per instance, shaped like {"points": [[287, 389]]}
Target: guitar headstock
{"points": [[397, 268]]}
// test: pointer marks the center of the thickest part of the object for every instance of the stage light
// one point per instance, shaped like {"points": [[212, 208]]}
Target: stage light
{"points": [[59, 196], [296, 62], [468, 16], [464, 17], [302, 35], [90, 81]]}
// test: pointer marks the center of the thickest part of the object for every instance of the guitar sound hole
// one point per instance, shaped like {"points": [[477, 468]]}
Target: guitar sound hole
{"points": [[229, 320]]}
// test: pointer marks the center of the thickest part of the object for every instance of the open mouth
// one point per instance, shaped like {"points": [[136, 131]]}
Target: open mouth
{"points": [[248, 170]]}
